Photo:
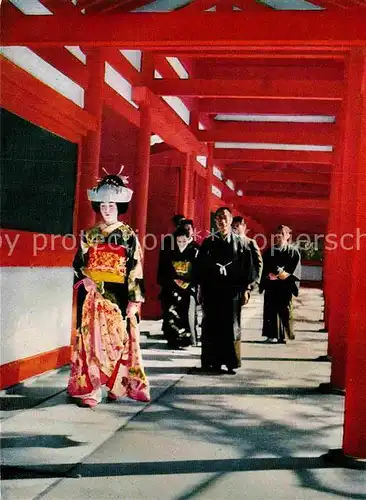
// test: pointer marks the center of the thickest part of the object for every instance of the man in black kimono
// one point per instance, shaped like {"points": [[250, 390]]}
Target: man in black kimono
{"points": [[280, 282], [240, 228], [224, 273]]}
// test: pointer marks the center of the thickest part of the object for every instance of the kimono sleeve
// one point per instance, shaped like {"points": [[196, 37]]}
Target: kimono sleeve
{"points": [[200, 263], [257, 262], [265, 270], [80, 259], [294, 268], [136, 288]]}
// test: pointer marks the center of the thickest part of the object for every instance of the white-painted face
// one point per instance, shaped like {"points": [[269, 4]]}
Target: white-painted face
{"points": [[182, 241], [109, 212]]}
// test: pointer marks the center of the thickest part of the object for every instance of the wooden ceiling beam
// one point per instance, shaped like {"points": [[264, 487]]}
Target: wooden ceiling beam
{"points": [[206, 31], [243, 70], [263, 56], [268, 106], [276, 133], [65, 62], [308, 204], [266, 88], [281, 177], [287, 187], [271, 156]]}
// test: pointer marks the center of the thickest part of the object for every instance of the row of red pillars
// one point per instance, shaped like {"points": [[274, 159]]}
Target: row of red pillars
{"points": [[345, 287]]}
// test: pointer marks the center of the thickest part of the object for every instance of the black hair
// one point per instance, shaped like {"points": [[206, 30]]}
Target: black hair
{"points": [[177, 219], [221, 209], [110, 180], [181, 231], [187, 222], [121, 207], [283, 226], [238, 219]]}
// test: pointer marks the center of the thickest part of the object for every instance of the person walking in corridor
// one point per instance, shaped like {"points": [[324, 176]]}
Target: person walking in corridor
{"points": [[224, 273], [176, 278], [280, 282], [240, 228], [109, 279]]}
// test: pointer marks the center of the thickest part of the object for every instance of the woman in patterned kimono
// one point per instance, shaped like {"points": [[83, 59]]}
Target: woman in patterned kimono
{"points": [[175, 278], [109, 279]]}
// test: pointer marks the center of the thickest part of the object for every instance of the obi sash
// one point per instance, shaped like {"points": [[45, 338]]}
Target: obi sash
{"points": [[106, 262]]}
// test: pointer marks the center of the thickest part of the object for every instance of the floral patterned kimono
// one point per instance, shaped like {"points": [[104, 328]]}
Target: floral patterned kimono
{"points": [[106, 349]]}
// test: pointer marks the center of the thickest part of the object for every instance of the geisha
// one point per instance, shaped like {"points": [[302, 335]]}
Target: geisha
{"points": [[109, 280]]}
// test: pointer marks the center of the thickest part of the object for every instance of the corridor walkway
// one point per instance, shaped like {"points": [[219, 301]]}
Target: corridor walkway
{"points": [[258, 435]]}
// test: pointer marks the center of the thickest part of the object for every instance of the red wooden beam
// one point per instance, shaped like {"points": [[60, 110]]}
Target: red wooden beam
{"points": [[270, 156], [279, 177], [114, 101], [65, 62], [268, 88], [51, 97], [64, 7], [277, 133], [204, 31], [296, 189], [118, 61], [302, 168], [307, 204], [268, 106], [236, 69], [263, 55], [169, 126]]}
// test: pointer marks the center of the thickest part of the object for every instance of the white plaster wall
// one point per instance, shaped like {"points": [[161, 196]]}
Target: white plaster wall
{"points": [[36, 310], [311, 273]]}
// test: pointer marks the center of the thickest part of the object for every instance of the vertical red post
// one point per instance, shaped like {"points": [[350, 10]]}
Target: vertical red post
{"points": [[354, 439], [185, 191], [342, 258], [90, 154], [209, 179], [142, 173], [329, 253]]}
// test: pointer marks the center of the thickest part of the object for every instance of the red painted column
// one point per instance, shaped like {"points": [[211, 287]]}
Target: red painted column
{"points": [[185, 186], [329, 253], [90, 154], [209, 179], [342, 260], [142, 173], [354, 438]]}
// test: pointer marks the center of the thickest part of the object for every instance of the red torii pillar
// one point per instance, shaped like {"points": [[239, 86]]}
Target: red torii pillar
{"points": [[90, 153], [339, 275], [354, 439], [208, 195], [353, 451], [186, 187], [142, 173], [332, 229]]}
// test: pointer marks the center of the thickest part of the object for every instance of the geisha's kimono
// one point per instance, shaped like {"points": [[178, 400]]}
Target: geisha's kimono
{"points": [[278, 303], [224, 271], [179, 294], [106, 349]]}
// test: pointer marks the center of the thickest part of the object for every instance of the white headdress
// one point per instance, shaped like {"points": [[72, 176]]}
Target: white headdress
{"points": [[111, 190]]}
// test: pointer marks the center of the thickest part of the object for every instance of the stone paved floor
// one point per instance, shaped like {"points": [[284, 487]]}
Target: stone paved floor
{"points": [[258, 435]]}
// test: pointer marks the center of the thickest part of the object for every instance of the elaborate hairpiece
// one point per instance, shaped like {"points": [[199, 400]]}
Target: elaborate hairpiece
{"points": [[111, 188]]}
